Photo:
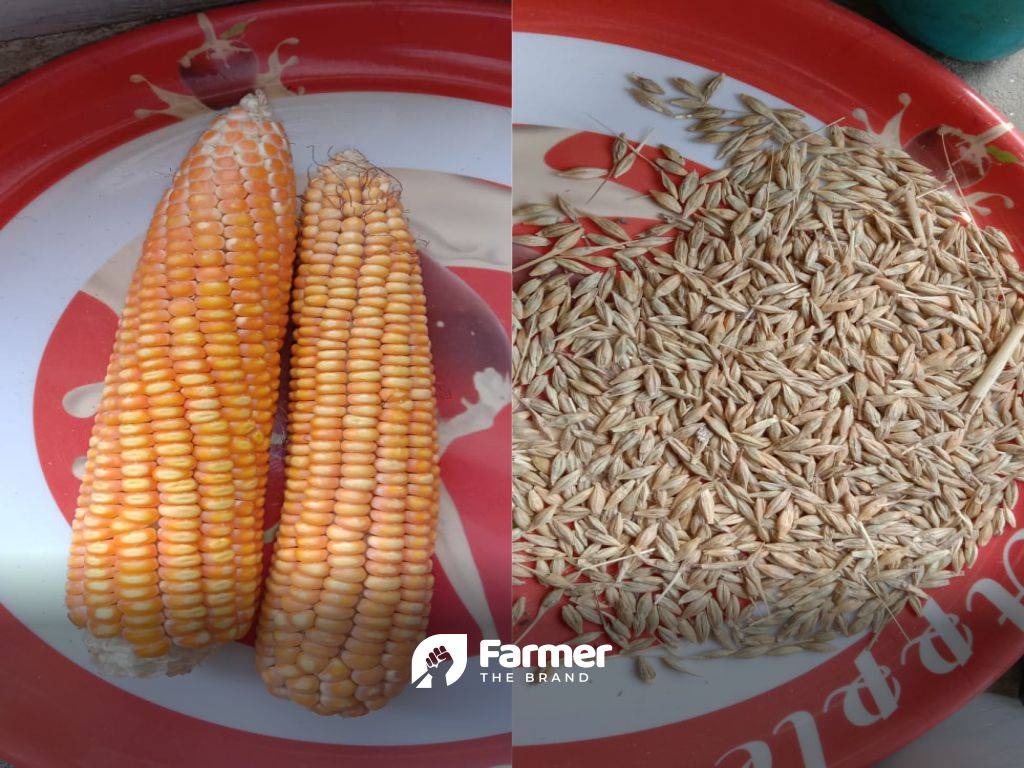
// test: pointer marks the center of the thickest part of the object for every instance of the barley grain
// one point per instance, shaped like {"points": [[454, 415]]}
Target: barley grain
{"points": [[783, 414]]}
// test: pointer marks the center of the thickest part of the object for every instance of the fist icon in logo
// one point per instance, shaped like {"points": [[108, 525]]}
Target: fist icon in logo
{"points": [[439, 656], [439, 661]]}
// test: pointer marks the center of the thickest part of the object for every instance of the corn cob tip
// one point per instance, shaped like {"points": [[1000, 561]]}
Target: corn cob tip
{"points": [[352, 162], [354, 158], [257, 104]]}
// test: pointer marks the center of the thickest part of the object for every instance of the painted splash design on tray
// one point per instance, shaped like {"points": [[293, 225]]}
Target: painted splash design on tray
{"points": [[959, 158], [219, 72]]}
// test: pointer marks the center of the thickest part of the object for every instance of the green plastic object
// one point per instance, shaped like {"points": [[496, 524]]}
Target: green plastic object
{"points": [[972, 30]]}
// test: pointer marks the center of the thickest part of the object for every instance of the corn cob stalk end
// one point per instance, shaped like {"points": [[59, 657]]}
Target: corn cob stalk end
{"points": [[115, 657]]}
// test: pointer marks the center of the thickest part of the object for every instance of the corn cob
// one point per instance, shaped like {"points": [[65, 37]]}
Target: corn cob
{"points": [[166, 542], [350, 583]]}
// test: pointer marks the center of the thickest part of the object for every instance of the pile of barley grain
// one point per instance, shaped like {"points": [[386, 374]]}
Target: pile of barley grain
{"points": [[783, 414]]}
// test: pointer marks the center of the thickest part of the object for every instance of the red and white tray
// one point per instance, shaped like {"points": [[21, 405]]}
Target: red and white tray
{"points": [[811, 710], [89, 143]]}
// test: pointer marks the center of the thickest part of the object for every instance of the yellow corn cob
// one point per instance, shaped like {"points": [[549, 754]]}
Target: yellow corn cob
{"points": [[349, 589], [167, 537]]}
